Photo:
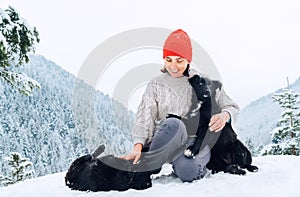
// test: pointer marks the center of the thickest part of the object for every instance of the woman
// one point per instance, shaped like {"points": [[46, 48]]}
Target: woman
{"points": [[170, 93]]}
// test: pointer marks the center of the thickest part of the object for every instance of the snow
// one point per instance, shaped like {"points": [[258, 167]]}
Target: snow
{"points": [[277, 176], [3, 40], [4, 15], [10, 25]]}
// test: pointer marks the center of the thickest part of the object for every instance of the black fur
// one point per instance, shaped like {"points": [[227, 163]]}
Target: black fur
{"points": [[228, 154], [88, 173]]}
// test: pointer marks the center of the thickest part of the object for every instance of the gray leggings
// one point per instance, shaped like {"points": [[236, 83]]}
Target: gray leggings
{"points": [[168, 145]]}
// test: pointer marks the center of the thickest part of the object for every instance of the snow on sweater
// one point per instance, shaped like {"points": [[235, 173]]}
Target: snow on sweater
{"points": [[165, 95]]}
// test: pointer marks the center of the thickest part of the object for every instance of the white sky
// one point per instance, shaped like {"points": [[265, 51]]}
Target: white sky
{"points": [[254, 44]]}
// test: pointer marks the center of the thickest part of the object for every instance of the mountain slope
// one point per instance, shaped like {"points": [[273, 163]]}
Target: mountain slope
{"points": [[277, 176], [54, 126], [259, 118]]}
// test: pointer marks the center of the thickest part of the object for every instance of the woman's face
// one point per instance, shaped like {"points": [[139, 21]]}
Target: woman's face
{"points": [[176, 65]]}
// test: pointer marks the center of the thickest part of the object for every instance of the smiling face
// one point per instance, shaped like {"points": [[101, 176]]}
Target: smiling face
{"points": [[176, 65]]}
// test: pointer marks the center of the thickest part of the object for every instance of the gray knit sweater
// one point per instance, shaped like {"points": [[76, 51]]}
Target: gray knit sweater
{"points": [[168, 95]]}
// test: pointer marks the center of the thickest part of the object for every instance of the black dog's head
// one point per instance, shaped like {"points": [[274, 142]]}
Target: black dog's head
{"points": [[200, 87], [77, 173], [206, 90], [88, 173]]}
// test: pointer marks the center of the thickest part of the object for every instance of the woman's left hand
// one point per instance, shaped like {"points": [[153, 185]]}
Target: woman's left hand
{"points": [[218, 121]]}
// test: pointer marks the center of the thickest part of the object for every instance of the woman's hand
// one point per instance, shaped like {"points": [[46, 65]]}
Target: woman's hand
{"points": [[218, 121], [135, 154]]}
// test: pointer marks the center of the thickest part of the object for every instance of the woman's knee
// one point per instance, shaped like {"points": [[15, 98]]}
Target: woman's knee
{"points": [[174, 124], [188, 169], [172, 131]]}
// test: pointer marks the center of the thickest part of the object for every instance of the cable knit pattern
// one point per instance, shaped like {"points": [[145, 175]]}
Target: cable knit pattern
{"points": [[168, 95]]}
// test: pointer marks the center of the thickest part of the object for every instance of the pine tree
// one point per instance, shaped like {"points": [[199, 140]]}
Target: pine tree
{"points": [[17, 39], [286, 136], [250, 146], [20, 169]]}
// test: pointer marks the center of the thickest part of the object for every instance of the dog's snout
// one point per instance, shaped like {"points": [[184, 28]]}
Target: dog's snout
{"points": [[206, 94]]}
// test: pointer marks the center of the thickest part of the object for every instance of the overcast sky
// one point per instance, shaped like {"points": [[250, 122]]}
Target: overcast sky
{"points": [[254, 44]]}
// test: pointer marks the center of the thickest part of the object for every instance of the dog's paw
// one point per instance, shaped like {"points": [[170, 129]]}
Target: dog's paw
{"points": [[188, 153], [251, 168], [234, 169], [191, 151]]}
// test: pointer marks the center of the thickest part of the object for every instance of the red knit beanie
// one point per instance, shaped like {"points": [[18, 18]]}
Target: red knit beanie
{"points": [[178, 43]]}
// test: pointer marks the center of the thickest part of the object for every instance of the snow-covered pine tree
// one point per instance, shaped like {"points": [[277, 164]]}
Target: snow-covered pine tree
{"points": [[17, 39], [286, 136], [250, 146], [20, 169]]}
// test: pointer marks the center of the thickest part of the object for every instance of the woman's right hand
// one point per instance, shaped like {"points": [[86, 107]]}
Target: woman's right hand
{"points": [[135, 154]]}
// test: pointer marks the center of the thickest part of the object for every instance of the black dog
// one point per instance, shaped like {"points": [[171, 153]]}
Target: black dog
{"points": [[89, 173], [228, 154]]}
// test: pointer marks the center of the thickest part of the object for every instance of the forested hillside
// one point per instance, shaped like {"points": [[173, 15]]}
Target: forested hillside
{"points": [[53, 127], [259, 118]]}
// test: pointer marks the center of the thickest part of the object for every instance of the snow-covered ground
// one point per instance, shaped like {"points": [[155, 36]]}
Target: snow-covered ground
{"points": [[277, 176]]}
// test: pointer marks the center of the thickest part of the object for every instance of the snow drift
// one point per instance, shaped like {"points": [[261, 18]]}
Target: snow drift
{"points": [[277, 176]]}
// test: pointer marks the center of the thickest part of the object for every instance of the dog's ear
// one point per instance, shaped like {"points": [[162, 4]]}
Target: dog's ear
{"points": [[194, 79], [98, 151], [217, 84]]}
